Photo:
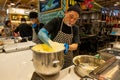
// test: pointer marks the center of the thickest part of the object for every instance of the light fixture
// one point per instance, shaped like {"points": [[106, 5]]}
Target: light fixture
{"points": [[42, 0], [117, 3], [12, 4]]}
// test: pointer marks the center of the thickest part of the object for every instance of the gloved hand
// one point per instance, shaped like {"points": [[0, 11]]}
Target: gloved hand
{"points": [[66, 48], [43, 36]]}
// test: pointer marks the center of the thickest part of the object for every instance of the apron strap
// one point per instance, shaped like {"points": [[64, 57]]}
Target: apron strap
{"points": [[62, 25]]}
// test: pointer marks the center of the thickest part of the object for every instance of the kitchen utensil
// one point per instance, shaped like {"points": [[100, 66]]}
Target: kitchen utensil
{"points": [[84, 64], [48, 63], [104, 66], [8, 48]]}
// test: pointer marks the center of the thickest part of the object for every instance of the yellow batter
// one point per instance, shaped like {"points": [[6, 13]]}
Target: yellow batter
{"points": [[42, 48]]}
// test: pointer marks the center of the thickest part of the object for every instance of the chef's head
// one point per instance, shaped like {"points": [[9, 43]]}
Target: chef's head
{"points": [[33, 17], [72, 15], [23, 20]]}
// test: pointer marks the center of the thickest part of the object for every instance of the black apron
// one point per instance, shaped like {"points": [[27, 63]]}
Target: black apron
{"points": [[65, 38]]}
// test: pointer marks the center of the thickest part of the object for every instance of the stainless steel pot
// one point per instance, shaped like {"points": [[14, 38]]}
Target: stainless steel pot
{"points": [[85, 16], [95, 15], [48, 63]]}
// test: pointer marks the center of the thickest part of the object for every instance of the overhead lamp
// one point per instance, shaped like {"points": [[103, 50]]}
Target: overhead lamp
{"points": [[42, 0], [117, 3], [12, 4]]}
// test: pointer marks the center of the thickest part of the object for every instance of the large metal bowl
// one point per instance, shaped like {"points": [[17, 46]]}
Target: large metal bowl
{"points": [[48, 63], [84, 64]]}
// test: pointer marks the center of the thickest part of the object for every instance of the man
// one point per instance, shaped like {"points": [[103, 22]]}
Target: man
{"points": [[7, 31], [24, 30], [36, 26], [63, 30]]}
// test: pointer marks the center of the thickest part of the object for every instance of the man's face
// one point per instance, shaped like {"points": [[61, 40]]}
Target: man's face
{"points": [[70, 18], [33, 20]]}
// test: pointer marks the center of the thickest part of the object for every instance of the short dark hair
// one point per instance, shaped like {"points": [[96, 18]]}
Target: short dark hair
{"points": [[79, 0], [23, 19], [75, 8], [6, 22], [33, 15]]}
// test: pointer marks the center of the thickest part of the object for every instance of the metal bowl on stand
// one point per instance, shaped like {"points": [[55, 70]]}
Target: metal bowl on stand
{"points": [[48, 63]]}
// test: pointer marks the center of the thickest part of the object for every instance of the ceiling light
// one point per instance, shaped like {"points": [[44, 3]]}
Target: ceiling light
{"points": [[12, 4], [117, 2], [42, 0]]}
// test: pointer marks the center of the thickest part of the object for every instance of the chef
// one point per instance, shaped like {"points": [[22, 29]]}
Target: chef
{"points": [[36, 26], [63, 30]]}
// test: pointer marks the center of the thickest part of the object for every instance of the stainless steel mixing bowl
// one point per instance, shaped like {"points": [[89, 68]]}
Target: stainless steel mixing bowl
{"points": [[48, 63], [84, 64]]}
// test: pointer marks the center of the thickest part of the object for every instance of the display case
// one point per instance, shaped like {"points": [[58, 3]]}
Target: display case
{"points": [[18, 17], [15, 15]]}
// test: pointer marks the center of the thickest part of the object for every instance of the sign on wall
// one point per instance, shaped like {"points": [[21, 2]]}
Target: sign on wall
{"points": [[50, 5], [51, 9]]}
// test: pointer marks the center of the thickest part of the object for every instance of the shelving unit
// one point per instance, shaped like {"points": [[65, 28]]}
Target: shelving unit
{"points": [[90, 20], [15, 15]]}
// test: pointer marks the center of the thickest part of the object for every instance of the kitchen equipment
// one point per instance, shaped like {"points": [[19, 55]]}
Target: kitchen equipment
{"points": [[104, 66], [7, 41], [85, 16], [109, 52], [86, 64], [18, 46], [95, 15], [48, 63], [111, 68]]}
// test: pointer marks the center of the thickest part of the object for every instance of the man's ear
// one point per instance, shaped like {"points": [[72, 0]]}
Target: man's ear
{"points": [[65, 12]]}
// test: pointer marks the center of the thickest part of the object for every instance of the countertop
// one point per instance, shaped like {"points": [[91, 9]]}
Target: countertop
{"points": [[18, 66]]}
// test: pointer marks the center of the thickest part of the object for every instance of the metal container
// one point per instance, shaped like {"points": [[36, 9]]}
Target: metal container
{"points": [[84, 64], [95, 15], [48, 63], [85, 16]]}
